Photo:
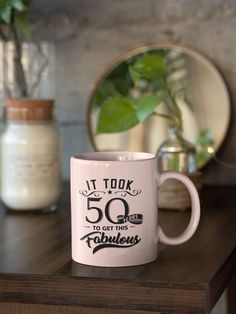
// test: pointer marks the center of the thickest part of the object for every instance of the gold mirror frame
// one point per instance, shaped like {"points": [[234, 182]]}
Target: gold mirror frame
{"points": [[202, 59]]}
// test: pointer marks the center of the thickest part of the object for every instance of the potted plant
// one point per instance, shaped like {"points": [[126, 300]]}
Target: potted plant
{"points": [[135, 91]]}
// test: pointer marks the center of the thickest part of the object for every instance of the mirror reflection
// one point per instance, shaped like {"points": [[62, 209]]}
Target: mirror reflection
{"points": [[167, 86]]}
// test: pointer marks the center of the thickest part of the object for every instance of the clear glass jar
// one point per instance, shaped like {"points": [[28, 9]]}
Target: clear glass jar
{"points": [[30, 156], [176, 153]]}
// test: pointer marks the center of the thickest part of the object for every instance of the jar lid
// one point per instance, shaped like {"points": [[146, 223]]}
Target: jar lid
{"points": [[29, 109]]}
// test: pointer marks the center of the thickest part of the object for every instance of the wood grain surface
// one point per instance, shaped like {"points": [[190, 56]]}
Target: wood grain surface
{"points": [[37, 274]]}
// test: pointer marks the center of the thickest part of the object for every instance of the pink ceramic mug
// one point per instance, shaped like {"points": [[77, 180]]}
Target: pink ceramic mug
{"points": [[114, 208]]}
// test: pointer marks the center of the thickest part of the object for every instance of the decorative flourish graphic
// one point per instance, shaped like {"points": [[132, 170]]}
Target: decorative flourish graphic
{"points": [[97, 193], [93, 193], [123, 193]]}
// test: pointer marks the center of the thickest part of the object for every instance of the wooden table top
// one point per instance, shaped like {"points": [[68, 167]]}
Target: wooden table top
{"points": [[36, 270]]}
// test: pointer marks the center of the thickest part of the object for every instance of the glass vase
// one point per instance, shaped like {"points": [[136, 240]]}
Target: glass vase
{"points": [[176, 154]]}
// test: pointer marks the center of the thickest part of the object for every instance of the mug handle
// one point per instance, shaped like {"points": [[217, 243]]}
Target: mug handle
{"points": [[195, 211]]}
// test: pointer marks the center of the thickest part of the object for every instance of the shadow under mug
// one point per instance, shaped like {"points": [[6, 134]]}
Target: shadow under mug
{"points": [[114, 208]]}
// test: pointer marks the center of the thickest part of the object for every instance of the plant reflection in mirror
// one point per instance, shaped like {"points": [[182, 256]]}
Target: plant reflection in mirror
{"points": [[136, 88]]}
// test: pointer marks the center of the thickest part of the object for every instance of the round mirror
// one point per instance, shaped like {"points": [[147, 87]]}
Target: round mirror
{"points": [[195, 84]]}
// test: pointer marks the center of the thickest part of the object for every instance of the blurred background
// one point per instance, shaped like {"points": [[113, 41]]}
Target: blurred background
{"points": [[88, 34]]}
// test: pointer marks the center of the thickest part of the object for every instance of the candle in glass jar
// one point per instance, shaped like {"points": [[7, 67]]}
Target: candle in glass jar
{"points": [[30, 156]]}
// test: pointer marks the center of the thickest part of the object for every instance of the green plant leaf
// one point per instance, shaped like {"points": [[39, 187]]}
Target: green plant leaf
{"points": [[7, 8], [150, 67], [205, 138], [134, 75], [4, 4], [202, 156], [121, 79], [21, 24], [147, 104], [5, 14], [18, 5], [105, 91], [116, 115]]}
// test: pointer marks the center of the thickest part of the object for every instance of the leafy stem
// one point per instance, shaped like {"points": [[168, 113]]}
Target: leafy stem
{"points": [[173, 106], [2, 34], [162, 115], [20, 74], [40, 71], [14, 26], [174, 103]]}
